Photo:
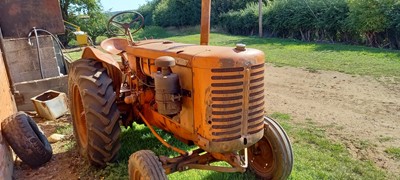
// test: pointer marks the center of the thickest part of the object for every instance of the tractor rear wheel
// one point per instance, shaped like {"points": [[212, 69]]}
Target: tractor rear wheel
{"points": [[94, 112], [144, 164], [272, 156]]}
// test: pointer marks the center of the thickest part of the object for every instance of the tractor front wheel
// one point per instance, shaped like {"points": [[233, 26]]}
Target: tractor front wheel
{"points": [[144, 164], [272, 156], [94, 112]]}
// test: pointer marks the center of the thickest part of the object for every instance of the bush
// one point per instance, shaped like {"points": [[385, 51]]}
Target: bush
{"points": [[101, 39], [177, 13], [306, 20], [244, 21], [368, 18], [373, 22], [220, 7]]}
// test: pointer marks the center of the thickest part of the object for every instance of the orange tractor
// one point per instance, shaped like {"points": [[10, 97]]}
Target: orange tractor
{"points": [[209, 96]]}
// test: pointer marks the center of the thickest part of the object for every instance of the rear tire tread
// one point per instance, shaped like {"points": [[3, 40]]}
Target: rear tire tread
{"points": [[27, 139], [102, 115]]}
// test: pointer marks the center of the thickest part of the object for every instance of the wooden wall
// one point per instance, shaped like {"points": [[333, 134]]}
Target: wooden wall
{"points": [[7, 108]]}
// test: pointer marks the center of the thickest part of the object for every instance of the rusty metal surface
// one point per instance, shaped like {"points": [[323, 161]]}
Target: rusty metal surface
{"points": [[229, 90], [109, 63], [200, 159], [17, 17], [114, 45], [205, 21]]}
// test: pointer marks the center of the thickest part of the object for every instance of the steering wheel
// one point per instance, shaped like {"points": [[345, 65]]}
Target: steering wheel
{"points": [[125, 23]]}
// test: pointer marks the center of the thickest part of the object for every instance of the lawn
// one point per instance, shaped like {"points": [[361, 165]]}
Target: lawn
{"points": [[316, 157], [334, 57], [357, 60]]}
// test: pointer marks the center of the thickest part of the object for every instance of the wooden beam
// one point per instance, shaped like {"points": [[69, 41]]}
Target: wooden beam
{"points": [[260, 18], [205, 21]]}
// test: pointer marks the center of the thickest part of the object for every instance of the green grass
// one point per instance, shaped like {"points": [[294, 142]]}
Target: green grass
{"points": [[280, 116], [139, 137], [348, 59], [312, 56], [65, 130], [384, 138], [316, 157], [394, 152], [75, 54]]}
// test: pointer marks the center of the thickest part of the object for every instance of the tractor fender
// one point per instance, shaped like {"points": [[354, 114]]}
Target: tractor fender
{"points": [[111, 65]]}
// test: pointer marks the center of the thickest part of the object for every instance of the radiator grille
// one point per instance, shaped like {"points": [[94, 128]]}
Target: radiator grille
{"points": [[237, 96]]}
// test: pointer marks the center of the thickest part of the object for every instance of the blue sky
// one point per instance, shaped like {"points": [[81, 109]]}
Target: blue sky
{"points": [[121, 5]]}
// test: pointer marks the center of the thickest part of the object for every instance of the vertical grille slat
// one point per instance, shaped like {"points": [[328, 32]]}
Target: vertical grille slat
{"points": [[256, 113], [229, 97]]}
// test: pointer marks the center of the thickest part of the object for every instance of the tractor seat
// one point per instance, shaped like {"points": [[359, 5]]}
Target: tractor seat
{"points": [[114, 45]]}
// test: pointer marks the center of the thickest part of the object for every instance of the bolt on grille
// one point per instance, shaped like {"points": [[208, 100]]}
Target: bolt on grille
{"points": [[237, 96]]}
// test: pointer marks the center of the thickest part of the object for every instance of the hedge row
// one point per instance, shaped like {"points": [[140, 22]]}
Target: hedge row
{"points": [[185, 12], [373, 22]]}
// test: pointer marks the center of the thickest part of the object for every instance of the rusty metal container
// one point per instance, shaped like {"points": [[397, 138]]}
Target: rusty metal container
{"points": [[50, 104]]}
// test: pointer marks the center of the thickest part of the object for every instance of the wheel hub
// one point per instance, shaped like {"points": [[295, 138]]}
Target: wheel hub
{"points": [[261, 157]]}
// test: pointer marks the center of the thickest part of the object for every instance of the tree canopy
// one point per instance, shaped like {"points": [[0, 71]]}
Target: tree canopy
{"points": [[87, 14]]}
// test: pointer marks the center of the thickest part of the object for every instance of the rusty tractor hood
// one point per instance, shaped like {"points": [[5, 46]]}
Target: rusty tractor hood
{"points": [[197, 56]]}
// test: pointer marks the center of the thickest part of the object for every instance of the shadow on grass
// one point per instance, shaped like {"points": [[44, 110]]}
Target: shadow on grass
{"points": [[355, 48], [139, 137]]}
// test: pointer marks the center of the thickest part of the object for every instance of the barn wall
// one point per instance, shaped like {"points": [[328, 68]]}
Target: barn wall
{"points": [[7, 108]]}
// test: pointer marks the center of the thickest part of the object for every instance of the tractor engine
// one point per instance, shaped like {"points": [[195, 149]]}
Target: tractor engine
{"points": [[215, 95]]}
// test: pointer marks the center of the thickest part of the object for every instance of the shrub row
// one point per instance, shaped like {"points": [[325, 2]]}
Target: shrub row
{"points": [[372, 22]]}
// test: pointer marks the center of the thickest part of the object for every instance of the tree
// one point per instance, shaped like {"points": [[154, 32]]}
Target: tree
{"points": [[147, 11], [94, 25]]}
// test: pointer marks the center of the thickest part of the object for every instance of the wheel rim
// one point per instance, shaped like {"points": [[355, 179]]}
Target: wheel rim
{"points": [[261, 157], [79, 118]]}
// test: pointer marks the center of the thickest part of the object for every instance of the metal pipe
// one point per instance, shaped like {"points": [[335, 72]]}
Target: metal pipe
{"points": [[38, 50], [180, 151], [57, 42], [12, 89], [205, 21]]}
